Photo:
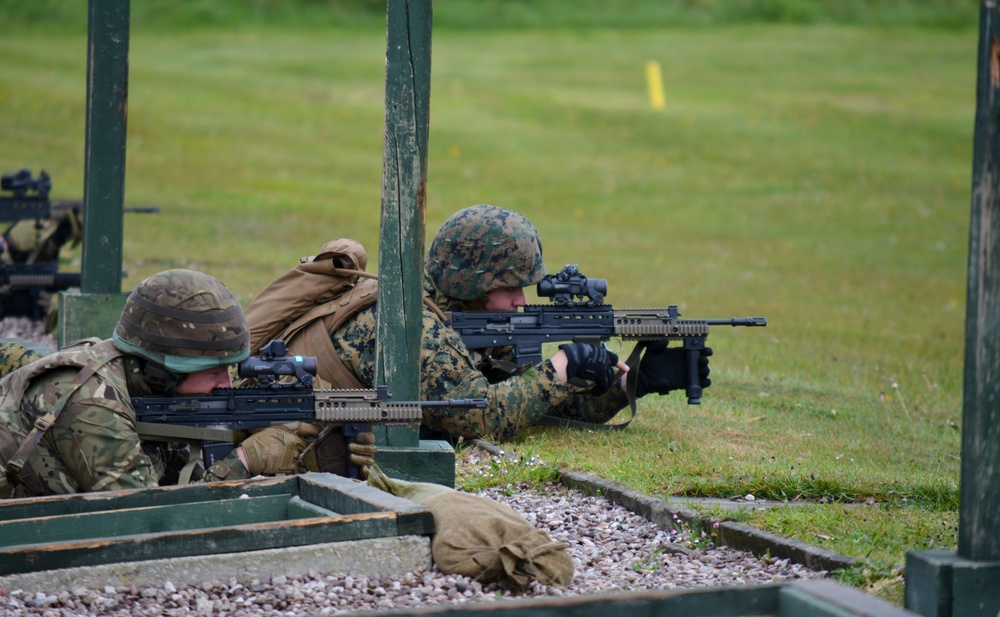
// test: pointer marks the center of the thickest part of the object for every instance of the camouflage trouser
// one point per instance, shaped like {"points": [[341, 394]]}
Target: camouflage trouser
{"points": [[15, 353]]}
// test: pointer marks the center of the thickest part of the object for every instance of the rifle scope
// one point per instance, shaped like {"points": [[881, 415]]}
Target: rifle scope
{"points": [[570, 283], [274, 363]]}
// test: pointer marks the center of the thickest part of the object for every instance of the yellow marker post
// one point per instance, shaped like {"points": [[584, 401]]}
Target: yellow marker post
{"points": [[654, 80]]}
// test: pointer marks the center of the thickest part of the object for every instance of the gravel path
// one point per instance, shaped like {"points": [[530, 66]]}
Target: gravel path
{"points": [[613, 549]]}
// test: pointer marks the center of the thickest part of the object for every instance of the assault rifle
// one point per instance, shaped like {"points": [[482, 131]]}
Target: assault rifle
{"points": [[30, 199], [32, 271], [283, 393], [578, 313]]}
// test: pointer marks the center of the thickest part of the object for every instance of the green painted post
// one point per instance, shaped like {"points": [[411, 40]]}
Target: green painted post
{"points": [[967, 582], [404, 185], [401, 245], [94, 310]]}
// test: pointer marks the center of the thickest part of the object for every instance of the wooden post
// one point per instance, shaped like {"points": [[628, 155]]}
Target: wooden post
{"points": [[95, 309], [401, 244], [967, 582]]}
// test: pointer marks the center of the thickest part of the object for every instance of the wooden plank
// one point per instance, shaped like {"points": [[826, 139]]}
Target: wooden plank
{"points": [[710, 602], [928, 582], [827, 598], [795, 603], [299, 508], [342, 495], [235, 539], [132, 521], [137, 498]]}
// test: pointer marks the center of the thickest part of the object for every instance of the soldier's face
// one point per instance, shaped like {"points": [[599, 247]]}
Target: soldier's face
{"points": [[505, 299], [203, 382]]}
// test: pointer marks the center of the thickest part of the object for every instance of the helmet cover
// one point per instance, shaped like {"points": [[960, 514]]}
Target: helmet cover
{"points": [[482, 248]]}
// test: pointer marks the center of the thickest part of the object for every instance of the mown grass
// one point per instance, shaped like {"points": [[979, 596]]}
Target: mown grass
{"points": [[817, 175]]}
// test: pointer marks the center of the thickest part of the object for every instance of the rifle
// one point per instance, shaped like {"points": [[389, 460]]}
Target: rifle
{"points": [[34, 253], [283, 393], [578, 313], [31, 200]]}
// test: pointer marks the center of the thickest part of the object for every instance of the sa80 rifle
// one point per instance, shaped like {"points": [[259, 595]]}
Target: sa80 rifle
{"points": [[210, 424], [577, 313]]}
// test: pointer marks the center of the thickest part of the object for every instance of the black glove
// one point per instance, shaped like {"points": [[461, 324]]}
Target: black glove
{"points": [[663, 369], [590, 364]]}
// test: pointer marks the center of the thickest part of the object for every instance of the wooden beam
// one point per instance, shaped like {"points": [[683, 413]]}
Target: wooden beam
{"points": [[104, 163], [404, 185]]}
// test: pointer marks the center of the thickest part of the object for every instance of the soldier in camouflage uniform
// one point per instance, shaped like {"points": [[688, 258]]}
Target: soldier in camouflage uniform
{"points": [[481, 259], [16, 352], [66, 420]]}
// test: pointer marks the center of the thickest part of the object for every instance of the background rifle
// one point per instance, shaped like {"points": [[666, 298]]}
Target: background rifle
{"points": [[40, 227], [210, 423], [578, 313]]}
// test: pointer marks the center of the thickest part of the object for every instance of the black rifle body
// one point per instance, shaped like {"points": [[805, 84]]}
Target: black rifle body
{"points": [[212, 420], [525, 331]]}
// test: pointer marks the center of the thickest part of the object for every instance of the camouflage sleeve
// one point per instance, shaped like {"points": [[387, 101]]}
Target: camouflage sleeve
{"points": [[229, 468], [580, 405], [584, 407], [94, 436], [447, 371]]}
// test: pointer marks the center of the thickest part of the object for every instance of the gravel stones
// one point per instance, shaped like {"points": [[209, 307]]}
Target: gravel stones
{"points": [[613, 550]]}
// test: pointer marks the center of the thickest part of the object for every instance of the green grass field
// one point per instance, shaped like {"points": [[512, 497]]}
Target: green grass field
{"points": [[816, 174]]}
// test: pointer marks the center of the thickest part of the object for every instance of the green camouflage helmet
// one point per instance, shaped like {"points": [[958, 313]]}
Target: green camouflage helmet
{"points": [[183, 320], [482, 248]]}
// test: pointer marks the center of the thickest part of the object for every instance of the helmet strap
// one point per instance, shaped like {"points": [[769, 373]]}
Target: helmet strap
{"points": [[160, 380]]}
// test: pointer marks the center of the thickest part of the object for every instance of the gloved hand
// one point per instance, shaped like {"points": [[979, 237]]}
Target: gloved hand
{"points": [[362, 453], [330, 452], [663, 369], [272, 451], [590, 364]]}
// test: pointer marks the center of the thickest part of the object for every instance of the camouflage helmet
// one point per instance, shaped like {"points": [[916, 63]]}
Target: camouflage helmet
{"points": [[185, 321], [482, 248]]}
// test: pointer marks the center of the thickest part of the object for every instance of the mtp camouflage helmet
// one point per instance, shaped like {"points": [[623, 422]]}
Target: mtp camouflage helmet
{"points": [[185, 321], [482, 248]]}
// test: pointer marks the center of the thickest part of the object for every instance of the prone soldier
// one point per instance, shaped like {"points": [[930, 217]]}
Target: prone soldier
{"points": [[67, 424]]}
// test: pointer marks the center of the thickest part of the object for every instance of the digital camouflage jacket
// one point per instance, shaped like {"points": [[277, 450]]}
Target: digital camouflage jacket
{"points": [[448, 370]]}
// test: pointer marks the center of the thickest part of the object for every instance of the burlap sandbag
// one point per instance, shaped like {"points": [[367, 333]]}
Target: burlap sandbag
{"points": [[484, 539]]}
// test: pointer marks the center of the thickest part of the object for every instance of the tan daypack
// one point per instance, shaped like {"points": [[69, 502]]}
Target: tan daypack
{"points": [[310, 301]]}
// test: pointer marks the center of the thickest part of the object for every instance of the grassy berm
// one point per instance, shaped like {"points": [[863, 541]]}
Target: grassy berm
{"points": [[812, 165]]}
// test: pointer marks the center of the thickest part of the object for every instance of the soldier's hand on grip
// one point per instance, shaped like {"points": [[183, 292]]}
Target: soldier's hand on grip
{"points": [[664, 369], [272, 451], [362, 452], [590, 364]]}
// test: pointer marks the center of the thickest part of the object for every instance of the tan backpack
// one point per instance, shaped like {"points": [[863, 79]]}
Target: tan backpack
{"points": [[306, 304]]}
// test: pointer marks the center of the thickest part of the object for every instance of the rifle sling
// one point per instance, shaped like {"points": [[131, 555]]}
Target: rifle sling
{"points": [[43, 423], [631, 383]]}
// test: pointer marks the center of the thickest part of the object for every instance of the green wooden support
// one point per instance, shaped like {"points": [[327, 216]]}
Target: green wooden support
{"points": [[74, 531], [83, 315], [967, 582], [401, 242], [404, 203], [104, 173], [104, 163]]}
